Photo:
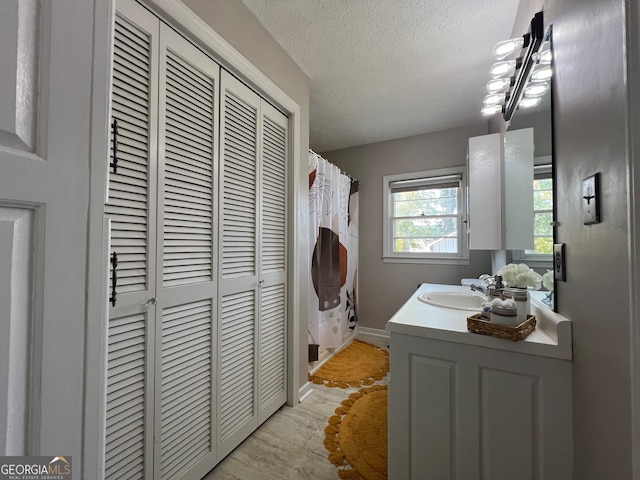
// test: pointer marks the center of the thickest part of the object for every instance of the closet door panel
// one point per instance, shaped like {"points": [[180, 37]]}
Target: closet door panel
{"points": [[131, 202], [186, 240], [130, 208], [238, 332], [126, 397], [273, 262], [186, 389]]}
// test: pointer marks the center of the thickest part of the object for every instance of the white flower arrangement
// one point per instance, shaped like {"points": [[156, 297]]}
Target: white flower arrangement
{"points": [[520, 276], [548, 281]]}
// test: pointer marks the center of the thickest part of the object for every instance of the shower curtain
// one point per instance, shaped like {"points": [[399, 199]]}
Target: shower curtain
{"points": [[333, 210]]}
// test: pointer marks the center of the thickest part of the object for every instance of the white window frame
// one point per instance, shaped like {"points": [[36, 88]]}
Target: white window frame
{"points": [[540, 260], [435, 258]]}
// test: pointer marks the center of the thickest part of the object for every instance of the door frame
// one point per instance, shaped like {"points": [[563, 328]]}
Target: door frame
{"points": [[202, 35]]}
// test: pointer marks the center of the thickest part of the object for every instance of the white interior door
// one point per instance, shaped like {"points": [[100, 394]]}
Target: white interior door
{"points": [[238, 330], [186, 263], [272, 334], [131, 208], [160, 408]]}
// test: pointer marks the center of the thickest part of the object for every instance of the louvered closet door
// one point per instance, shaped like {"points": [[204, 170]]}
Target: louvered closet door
{"points": [[272, 219], [187, 279], [131, 210], [237, 330]]}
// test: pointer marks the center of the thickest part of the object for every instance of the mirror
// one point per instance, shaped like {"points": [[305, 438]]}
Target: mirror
{"points": [[540, 120]]}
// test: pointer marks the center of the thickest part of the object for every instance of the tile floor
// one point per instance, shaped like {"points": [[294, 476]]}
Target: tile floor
{"points": [[290, 445]]}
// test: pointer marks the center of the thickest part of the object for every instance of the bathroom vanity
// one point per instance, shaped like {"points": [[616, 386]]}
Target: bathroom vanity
{"points": [[464, 406]]}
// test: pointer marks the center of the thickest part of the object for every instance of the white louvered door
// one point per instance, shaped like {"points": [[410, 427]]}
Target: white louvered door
{"points": [[186, 283], [197, 336], [237, 332], [272, 221], [251, 332], [131, 208]]}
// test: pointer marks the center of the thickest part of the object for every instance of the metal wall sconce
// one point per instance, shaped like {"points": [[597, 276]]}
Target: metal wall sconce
{"points": [[523, 81]]}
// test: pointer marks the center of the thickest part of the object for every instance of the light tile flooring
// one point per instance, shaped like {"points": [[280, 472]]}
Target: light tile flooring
{"points": [[290, 445]]}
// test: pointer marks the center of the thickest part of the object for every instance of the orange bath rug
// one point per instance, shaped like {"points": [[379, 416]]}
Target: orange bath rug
{"points": [[359, 364], [356, 436]]}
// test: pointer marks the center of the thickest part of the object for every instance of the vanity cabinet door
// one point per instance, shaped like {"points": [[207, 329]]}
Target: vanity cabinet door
{"points": [[462, 412]]}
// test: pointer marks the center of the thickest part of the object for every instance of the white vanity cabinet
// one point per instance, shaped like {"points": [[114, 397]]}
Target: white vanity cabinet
{"points": [[461, 409]]}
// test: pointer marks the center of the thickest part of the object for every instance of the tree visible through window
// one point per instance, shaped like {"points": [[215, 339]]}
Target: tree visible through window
{"points": [[423, 217], [542, 217], [426, 218]]}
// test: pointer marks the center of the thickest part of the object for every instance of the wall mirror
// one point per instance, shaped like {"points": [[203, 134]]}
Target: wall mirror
{"points": [[540, 119]]}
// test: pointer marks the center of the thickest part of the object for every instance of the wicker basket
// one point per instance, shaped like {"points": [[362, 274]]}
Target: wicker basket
{"points": [[479, 323]]}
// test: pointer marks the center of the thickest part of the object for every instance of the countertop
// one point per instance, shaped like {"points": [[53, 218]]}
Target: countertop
{"points": [[551, 337]]}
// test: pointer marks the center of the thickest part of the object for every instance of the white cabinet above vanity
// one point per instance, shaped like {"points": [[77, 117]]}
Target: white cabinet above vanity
{"points": [[501, 191], [464, 406]]}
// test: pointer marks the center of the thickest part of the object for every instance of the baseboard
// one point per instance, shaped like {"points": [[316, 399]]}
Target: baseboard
{"points": [[350, 336], [376, 332], [305, 391]]}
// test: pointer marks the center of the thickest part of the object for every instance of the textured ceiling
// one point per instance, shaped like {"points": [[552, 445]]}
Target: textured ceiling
{"points": [[384, 69]]}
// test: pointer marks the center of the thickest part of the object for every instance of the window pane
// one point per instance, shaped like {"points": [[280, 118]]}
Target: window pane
{"points": [[426, 235], [543, 194], [542, 223], [542, 245], [542, 217], [432, 201]]}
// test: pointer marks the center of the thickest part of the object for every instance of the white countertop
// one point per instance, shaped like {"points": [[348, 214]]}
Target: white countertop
{"points": [[551, 337]]}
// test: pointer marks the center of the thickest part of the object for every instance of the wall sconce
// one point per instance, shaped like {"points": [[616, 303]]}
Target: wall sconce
{"points": [[509, 87]]}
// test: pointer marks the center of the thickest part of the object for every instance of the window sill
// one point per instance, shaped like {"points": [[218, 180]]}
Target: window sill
{"points": [[426, 260], [534, 261]]}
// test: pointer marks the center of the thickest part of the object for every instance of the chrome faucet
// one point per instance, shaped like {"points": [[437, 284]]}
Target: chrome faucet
{"points": [[490, 282]]}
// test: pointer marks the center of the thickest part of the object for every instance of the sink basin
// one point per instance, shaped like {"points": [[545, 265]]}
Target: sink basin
{"points": [[456, 300]]}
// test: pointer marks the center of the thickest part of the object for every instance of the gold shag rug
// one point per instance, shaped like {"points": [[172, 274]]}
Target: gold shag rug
{"points": [[358, 364], [356, 436]]}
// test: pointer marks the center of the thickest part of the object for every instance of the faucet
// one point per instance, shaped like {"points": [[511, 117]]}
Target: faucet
{"points": [[490, 282]]}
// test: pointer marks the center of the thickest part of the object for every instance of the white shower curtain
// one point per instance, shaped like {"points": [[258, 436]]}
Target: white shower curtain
{"points": [[333, 253]]}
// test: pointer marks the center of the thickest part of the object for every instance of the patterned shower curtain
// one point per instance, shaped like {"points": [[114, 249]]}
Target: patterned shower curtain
{"points": [[333, 210]]}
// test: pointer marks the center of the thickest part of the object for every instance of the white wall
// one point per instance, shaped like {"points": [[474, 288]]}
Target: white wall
{"points": [[590, 136], [384, 287]]}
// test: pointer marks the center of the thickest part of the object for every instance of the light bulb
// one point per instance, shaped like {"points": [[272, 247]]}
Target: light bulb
{"points": [[503, 69], [491, 110], [493, 99], [498, 85], [544, 57], [529, 102], [541, 74], [507, 47], [536, 90]]}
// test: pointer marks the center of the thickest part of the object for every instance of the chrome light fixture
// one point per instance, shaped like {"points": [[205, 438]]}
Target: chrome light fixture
{"points": [[508, 88]]}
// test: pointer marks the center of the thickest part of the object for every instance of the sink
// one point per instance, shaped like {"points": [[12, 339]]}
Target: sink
{"points": [[456, 300]]}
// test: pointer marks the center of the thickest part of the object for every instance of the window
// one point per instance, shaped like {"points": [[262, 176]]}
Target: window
{"points": [[542, 218], [424, 217]]}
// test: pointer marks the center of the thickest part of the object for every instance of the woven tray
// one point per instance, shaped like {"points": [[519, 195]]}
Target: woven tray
{"points": [[479, 323]]}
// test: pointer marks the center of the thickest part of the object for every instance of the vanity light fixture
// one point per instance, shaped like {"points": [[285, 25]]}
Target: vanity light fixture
{"points": [[541, 74], [499, 85], [510, 77], [494, 99], [530, 102], [491, 110], [507, 47], [544, 58], [536, 90], [505, 68]]}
